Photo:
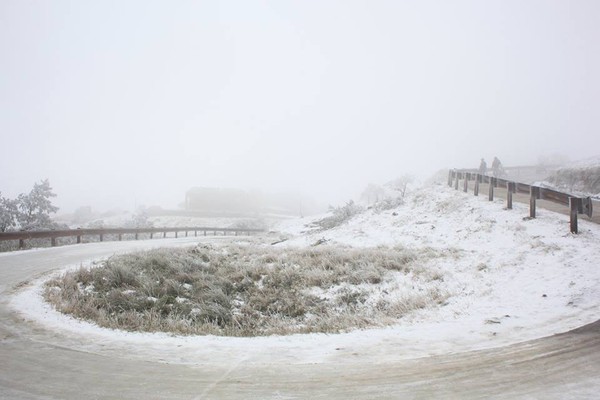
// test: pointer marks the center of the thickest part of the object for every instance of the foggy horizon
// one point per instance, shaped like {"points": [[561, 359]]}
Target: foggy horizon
{"points": [[134, 103]]}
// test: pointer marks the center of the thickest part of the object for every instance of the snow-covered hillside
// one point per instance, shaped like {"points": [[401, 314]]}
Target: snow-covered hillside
{"points": [[580, 177], [511, 276], [509, 279]]}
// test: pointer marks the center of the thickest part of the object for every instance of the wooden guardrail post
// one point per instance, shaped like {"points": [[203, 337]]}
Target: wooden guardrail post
{"points": [[101, 237], [195, 233], [534, 194], [510, 188], [450, 177], [176, 234], [136, 236], [573, 208], [53, 241], [78, 238], [186, 233], [456, 177], [204, 232], [120, 237], [491, 189], [476, 188], [466, 181], [151, 235], [21, 244]]}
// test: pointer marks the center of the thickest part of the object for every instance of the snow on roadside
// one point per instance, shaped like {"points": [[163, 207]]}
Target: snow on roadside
{"points": [[512, 280]]}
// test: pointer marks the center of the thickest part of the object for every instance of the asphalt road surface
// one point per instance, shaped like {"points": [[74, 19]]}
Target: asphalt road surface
{"points": [[36, 362]]}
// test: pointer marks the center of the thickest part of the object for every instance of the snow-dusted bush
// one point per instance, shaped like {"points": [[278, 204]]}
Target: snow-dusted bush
{"points": [[388, 204], [255, 223], [139, 220], [339, 215], [249, 291]]}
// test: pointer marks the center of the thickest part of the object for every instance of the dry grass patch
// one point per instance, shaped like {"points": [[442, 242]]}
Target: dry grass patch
{"points": [[240, 290]]}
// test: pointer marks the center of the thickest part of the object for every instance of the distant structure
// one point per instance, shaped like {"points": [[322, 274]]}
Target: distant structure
{"points": [[221, 201], [236, 203]]}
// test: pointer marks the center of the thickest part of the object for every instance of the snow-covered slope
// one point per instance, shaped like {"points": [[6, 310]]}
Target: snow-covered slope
{"points": [[511, 279], [510, 276]]}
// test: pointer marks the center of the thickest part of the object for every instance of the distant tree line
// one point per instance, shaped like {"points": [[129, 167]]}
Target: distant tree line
{"points": [[28, 211]]}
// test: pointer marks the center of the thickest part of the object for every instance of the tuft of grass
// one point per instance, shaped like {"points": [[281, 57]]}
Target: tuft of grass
{"points": [[240, 290]]}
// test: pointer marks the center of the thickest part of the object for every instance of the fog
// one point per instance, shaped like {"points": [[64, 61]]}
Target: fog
{"points": [[122, 104]]}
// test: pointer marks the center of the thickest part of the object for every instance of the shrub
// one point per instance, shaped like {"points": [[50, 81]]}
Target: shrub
{"points": [[339, 215]]}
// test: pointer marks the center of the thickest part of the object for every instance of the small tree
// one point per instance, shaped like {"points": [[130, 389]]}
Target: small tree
{"points": [[35, 208], [372, 194], [139, 220], [8, 214], [400, 184]]}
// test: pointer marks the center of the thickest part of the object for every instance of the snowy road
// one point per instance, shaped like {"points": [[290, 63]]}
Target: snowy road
{"points": [[41, 363]]}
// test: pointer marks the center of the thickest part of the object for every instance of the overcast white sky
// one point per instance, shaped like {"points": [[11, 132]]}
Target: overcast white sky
{"points": [[134, 102]]}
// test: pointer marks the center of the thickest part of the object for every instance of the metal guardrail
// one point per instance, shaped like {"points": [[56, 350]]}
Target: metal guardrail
{"points": [[21, 236], [577, 205]]}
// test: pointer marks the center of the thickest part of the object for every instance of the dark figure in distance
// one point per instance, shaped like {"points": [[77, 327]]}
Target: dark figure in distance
{"points": [[482, 167], [497, 168]]}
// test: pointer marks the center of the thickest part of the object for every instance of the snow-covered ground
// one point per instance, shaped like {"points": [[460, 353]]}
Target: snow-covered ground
{"points": [[511, 279], [581, 178]]}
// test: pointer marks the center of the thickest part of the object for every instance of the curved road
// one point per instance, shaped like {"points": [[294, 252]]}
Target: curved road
{"points": [[37, 363]]}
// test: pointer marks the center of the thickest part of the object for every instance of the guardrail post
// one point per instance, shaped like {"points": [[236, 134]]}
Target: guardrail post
{"points": [[101, 237], [450, 178], [164, 235], [136, 235], [534, 194], [176, 234], [466, 183], [151, 235], [510, 188], [456, 177], [204, 233], [476, 188], [195, 233], [120, 237], [21, 244], [186, 233], [574, 208], [78, 237], [53, 242], [491, 189], [587, 206]]}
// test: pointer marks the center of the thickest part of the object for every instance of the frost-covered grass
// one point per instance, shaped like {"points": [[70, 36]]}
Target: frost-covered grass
{"points": [[241, 290]]}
